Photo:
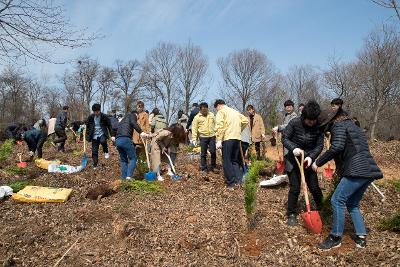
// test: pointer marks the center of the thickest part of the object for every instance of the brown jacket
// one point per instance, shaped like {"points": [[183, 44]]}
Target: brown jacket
{"points": [[257, 129], [161, 139], [143, 121]]}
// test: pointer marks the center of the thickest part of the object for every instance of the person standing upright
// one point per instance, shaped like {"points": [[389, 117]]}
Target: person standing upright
{"points": [[61, 124], [229, 125], [143, 121], [257, 129], [289, 115], [203, 127], [98, 131]]}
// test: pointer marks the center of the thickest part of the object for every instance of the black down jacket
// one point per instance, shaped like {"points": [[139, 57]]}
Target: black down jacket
{"points": [[127, 125], [350, 151], [299, 135], [104, 124]]}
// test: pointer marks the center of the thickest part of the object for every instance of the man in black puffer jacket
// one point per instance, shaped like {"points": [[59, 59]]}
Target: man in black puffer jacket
{"points": [[357, 169], [303, 135], [98, 131]]}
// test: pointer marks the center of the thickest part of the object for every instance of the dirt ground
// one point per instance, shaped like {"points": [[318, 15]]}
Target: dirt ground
{"points": [[192, 223]]}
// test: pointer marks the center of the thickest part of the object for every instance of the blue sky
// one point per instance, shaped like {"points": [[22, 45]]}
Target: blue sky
{"points": [[289, 32]]}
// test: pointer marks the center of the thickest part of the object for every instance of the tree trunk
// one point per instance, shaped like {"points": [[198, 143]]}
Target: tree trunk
{"points": [[375, 120]]}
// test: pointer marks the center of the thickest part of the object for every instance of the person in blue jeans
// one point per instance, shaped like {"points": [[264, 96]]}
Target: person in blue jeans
{"points": [[124, 144], [357, 169]]}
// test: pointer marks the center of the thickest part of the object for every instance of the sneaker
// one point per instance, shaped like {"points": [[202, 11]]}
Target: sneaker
{"points": [[330, 242], [128, 178], [292, 220], [160, 178], [170, 173], [360, 240], [106, 155]]}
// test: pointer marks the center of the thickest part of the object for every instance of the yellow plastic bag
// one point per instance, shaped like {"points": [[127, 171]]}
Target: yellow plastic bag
{"points": [[197, 150], [42, 194], [44, 164]]}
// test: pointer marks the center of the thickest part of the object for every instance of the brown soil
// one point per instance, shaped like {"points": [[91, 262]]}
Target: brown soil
{"points": [[194, 222]]}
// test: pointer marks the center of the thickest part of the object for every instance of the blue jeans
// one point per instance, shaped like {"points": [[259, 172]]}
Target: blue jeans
{"points": [[348, 194], [127, 154]]}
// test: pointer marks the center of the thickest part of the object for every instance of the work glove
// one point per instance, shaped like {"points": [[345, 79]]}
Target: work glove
{"points": [[113, 139], [297, 152], [219, 145], [307, 162], [314, 167], [164, 150], [144, 135], [263, 136], [31, 153], [275, 129], [194, 143]]}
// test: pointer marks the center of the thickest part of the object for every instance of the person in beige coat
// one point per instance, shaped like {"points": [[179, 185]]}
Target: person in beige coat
{"points": [[257, 129], [143, 121], [165, 140]]}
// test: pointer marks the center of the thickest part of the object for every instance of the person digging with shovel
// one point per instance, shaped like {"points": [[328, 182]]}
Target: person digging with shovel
{"points": [[35, 139], [357, 169], [303, 135]]}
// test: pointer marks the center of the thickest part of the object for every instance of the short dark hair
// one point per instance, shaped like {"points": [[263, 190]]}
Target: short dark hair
{"points": [[219, 102], [249, 107], [140, 104], [156, 111], [288, 103], [337, 101], [301, 105], [96, 107], [195, 105], [311, 110], [203, 105], [65, 107]]}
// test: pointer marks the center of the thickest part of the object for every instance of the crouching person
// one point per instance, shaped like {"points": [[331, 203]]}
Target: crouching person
{"points": [[124, 144], [164, 141], [98, 131], [357, 169], [35, 139], [303, 135]]}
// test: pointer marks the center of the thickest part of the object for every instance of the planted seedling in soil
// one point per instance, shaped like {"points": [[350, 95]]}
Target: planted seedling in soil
{"points": [[19, 185], [141, 187], [16, 170], [391, 224], [6, 149]]}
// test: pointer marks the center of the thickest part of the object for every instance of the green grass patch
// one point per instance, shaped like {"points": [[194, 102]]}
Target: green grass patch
{"points": [[390, 224], [142, 187], [250, 190], [395, 184], [15, 170], [326, 210], [141, 166], [19, 185], [5, 149]]}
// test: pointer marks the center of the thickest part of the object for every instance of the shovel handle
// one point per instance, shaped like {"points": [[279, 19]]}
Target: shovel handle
{"points": [[145, 150], [303, 180], [170, 162], [20, 157], [84, 140]]}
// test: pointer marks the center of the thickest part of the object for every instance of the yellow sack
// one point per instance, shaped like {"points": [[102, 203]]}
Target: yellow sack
{"points": [[197, 150], [44, 164], [42, 194]]}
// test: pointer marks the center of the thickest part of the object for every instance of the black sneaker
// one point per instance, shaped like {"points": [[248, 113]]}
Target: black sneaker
{"points": [[292, 220], [361, 242], [330, 242]]}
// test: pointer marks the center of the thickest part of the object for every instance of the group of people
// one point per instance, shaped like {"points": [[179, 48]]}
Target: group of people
{"points": [[232, 133]]}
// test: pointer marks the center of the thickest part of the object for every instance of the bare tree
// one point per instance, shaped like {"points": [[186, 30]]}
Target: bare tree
{"points": [[85, 75], [29, 28], [161, 65], [192, 68], [245, 73], [389, 4], [379, 70], [52, 100], [33, 98], [14, 84], [129, 79], [105, 81]]}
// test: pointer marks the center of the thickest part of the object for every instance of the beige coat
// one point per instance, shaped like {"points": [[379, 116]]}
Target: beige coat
{"points": [[143, 121], [258, 129], [161, 139]]}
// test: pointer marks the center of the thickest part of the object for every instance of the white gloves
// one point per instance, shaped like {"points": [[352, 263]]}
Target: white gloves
{"points": [[307, 162], [219, 145], [113, 139], [314, 167], [263, 136], [194, 143], [31, 153], [275, 129], [297, 152], [144, 135]]}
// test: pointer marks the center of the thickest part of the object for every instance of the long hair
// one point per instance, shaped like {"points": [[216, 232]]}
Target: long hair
{"points": [[178, 132]]}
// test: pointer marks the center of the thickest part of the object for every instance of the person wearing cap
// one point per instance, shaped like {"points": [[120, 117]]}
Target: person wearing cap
{"points": [[303, 135], [357, 170], [257, 129], [229, 125]]}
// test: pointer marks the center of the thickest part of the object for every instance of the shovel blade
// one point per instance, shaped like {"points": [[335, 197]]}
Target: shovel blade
{"points": [[84, 161], [150, 176], [312, 221], [328, 172], [280, 166], [22, 164], [176, 177]]}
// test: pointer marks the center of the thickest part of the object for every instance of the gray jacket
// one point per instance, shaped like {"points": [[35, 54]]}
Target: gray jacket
{"points": [[288, 118]]}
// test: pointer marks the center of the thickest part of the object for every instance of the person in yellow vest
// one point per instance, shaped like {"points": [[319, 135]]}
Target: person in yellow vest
{"points": [[257, 129], [143, 121], [203, 128], [229, 125]]}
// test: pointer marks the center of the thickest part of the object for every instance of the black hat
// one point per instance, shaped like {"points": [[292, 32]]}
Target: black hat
{"points": [[326, 116]]}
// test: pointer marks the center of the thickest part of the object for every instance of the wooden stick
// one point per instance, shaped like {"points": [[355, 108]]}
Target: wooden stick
{"points": [[66, 252]]}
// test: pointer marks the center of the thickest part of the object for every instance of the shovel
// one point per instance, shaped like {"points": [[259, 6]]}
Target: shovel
{"points": [[244, 164], [148, 176], [328, 172], [175, 176], [21, 164], [85, 156], [311, 219], [279, 165]]}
